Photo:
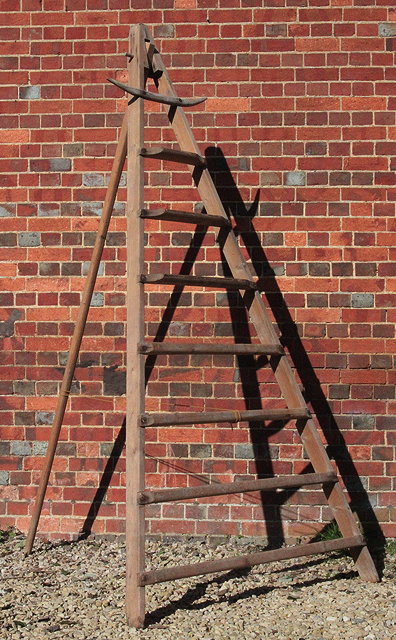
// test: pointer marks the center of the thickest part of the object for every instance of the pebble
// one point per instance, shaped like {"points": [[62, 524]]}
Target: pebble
{"points": [[77, 592]]}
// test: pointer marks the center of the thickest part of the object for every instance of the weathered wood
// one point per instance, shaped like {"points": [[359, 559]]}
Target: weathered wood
{"points": [[266, 333], [108, 205], [174, 155], [157, 97], [135, 602], [158, 348], [207, 417], [171, 215], [197, 281], [227, 488], [250, 560]]}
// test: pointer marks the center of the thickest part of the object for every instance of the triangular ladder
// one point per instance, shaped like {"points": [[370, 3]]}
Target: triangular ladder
{"points": [[145, 61]]}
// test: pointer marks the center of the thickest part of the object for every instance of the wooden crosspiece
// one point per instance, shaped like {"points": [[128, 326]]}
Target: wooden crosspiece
{"points": [[145, 60]]}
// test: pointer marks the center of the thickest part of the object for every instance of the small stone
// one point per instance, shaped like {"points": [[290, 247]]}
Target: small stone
{"points": [[53, 627]]}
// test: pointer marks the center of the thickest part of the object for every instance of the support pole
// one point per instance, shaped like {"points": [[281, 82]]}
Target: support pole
{"points": [[135, 513], [108, 205]]}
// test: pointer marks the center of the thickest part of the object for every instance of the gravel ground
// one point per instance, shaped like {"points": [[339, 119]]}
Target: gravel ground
{"points": [[76, 590]]}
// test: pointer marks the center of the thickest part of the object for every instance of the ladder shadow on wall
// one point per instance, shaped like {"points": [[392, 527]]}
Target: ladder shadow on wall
{"points": [[290, 338]]}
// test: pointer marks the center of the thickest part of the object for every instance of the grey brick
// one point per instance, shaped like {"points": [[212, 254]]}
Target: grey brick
{"points": [[243, 164], [73, 150], [92, 208], [387, 29], [295, 178], [4, 477], [93, 179], [361, 300], [40, 448], [363, 422], [44, 417], [7, 211], [4, 448], [106, 448], [47, 210], [24, 387], [20, 448], [85, 268], [123, 180], [244, 451], [32, 92], [29, 239], [200, 450], [97, 299], [59, 164]]}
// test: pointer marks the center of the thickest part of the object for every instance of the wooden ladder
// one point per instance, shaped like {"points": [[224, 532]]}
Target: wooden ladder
{"points": [[145, 61]]}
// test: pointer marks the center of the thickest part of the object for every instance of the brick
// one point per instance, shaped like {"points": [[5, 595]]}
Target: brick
{"points": [[362, 300], [295, 178], [51, 164], [21, 448], [387, 29], [29, 239], [4, 477], [30, 92]]}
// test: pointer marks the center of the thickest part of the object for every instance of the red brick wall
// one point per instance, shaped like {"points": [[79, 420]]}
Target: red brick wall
{"points": [[301, 103]]}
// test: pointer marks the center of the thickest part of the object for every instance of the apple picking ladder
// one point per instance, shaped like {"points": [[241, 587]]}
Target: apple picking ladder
{"points": [[145, 61]]}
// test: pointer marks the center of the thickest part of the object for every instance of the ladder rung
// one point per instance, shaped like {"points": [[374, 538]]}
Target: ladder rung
{"points": [[188, 347], [172, 215], [175, 155], [166, 419], [266, 484], [197, 281], [250, 560]]}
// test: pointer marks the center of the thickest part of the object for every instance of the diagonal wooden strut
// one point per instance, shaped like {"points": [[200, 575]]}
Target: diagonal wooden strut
{"points": [[108, 205]]}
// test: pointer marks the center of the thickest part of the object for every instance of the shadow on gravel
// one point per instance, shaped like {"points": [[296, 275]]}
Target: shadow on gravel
{"points": [[188, 601]]}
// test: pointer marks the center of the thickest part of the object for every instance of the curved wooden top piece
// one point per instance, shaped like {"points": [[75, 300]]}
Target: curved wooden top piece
{"points": [[157, 97]]}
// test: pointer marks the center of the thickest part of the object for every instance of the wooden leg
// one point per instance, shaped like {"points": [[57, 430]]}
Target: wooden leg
{"points": [[108, 205], [135, 604]]}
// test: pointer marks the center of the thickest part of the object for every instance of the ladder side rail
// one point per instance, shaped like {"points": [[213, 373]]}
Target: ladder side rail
{"points": [[135, 390]]}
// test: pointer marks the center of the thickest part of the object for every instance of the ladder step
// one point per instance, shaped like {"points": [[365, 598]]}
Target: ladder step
{"points": [[266, 484], [250, 560], [188, 347], [171, 215], [166, 419], [175, 155], [197, 281]]}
